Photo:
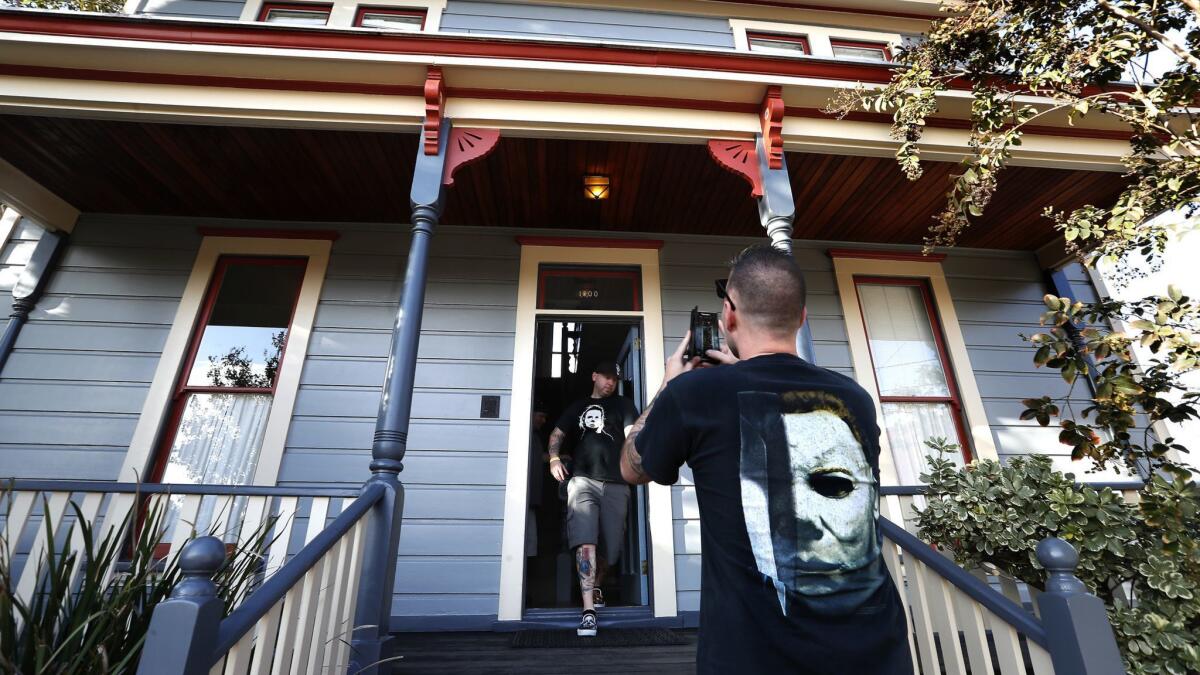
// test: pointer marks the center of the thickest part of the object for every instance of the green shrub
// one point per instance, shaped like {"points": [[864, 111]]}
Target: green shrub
{"points": [[1148, 551], [98, 624]]}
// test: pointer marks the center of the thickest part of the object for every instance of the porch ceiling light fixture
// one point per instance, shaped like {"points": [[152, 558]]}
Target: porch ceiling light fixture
{"points": [[595, 187]]}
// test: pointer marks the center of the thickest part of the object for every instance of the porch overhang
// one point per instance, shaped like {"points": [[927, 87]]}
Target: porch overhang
{"points": [[246, 120], [264, 74], [304, 174]]}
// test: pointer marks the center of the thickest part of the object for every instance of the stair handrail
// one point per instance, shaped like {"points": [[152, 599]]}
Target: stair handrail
{"points": [[187, 635], [1012, 614]]}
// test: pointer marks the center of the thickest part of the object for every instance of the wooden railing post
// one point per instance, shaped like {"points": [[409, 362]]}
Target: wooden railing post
{"points": [[1078, 633], [183, 630]]}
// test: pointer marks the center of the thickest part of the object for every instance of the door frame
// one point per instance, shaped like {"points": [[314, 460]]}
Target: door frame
{"points": [[659, 516]]}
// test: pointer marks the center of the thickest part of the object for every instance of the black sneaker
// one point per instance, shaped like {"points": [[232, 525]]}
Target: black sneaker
{"points": [[587, 624], [597, 598]]}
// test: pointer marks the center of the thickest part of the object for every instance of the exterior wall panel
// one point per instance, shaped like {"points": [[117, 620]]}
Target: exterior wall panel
{"points": [[192, 9], [609, 25]]}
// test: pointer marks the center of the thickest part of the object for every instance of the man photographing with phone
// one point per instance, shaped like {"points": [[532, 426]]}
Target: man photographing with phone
{"points": [[785, 459]]}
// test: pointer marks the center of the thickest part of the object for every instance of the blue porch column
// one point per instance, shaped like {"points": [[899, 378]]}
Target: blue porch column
{"points": [[373, 612], [28, 289]]}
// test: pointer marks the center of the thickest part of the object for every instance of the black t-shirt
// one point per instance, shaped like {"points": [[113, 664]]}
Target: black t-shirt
{"points": [[785, 459], [595, 432]]}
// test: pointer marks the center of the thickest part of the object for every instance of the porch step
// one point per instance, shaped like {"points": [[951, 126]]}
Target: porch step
{"points": [[470, 653]]}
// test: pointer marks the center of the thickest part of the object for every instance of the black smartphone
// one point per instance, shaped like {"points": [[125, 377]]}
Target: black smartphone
{"points": [[706, 335]]}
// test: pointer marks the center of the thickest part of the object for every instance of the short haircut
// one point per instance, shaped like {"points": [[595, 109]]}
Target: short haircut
{"points": [[770, 289]]}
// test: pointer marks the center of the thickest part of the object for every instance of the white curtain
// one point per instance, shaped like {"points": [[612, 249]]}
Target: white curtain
{"points": [[217, 443], [902, 345], [908, 426]]}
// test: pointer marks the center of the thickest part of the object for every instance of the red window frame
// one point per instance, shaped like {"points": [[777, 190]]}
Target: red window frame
{"points": [[802, 40], [935, 326], [302, 6], [398, 11], [860, 44], [182, 389]]}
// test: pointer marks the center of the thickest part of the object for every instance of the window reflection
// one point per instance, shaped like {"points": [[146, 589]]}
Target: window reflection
{"points": [[247, 328]]}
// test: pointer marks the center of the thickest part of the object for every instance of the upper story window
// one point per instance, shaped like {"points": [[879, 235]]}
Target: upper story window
{"points": [[295, 15], [390, 18], [784, 39], [855, 50], [410, 16], [772, 43]]}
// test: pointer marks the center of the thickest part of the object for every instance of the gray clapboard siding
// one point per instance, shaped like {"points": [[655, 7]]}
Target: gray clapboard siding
{"points": [[580, 23], [198, 9]]}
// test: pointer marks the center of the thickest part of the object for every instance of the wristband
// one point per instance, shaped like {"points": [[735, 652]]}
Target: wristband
{"points": [[555, 459]]}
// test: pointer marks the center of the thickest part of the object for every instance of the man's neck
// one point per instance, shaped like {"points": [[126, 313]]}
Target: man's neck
{"points": [[749, 348], [598, 395]]}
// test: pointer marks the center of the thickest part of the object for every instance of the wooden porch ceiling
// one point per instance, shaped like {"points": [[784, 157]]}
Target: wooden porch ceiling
{"points": [[317, 175]]}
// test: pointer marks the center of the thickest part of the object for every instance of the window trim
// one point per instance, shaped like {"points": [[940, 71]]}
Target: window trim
{"points": [[394, 11], [345, 12], [955, 398], [820, 38], [162, 452], [158, 405], [850, 263], [863, 44], [802, 39], [266, 7]]}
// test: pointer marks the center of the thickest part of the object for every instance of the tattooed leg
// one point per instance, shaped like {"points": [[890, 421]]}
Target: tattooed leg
{"points": [[585, 563]]}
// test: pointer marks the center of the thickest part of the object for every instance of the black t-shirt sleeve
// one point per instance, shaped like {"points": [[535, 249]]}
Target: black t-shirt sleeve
{"points": [[662, 442]]}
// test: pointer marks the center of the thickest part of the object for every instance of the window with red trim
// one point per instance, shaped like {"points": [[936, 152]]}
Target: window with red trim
{"points": [[776, 43], [856, 50], [390, 18], [917, 392], [297, 14], [227, 383]]}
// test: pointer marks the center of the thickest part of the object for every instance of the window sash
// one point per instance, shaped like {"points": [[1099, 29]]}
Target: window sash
{"points": [[855, 50], [296, 15], [387, 18], [772, 43], [951, 401]]}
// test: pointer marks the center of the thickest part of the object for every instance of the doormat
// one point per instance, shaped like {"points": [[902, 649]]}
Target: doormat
{"points": [[607, 637]]}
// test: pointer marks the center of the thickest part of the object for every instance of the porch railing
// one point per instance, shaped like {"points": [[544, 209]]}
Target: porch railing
{"points": [[961, 624], [301, 620], [285, 517]]}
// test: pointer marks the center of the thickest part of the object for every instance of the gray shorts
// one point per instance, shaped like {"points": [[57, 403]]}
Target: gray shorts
{"points": [[596, 515]]}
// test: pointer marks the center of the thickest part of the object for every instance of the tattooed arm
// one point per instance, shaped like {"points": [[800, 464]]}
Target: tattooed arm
{"points": [[557, 469], [631, 459]]}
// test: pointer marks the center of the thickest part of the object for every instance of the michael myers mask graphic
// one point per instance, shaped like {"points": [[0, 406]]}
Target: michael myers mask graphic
{"points": [[810, 500], [592, 419]]}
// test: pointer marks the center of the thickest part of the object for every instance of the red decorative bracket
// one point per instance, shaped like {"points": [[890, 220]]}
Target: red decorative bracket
{"points": [[741, 158], [466, 146], [772, 126], [435, 107]]}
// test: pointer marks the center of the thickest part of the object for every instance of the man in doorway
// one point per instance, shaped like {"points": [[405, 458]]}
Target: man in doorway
{"points": [[594, 429], [785, 459]]}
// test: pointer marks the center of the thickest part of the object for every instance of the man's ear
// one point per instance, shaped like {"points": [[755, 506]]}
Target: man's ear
{"points": [[728, 318]]}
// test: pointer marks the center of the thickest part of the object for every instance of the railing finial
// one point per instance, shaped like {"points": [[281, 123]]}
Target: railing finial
{"points": [[200, 559], [1079, 636], [1060, 559]]}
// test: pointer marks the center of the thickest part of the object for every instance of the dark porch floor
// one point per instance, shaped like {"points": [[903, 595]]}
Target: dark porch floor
{"points": [[489, 653]]}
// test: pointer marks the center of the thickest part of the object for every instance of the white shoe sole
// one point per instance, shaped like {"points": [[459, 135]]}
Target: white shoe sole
{"points": [[585, 632]]}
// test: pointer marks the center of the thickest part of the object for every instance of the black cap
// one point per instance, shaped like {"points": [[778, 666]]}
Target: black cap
{"points": [[607, 368]]}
